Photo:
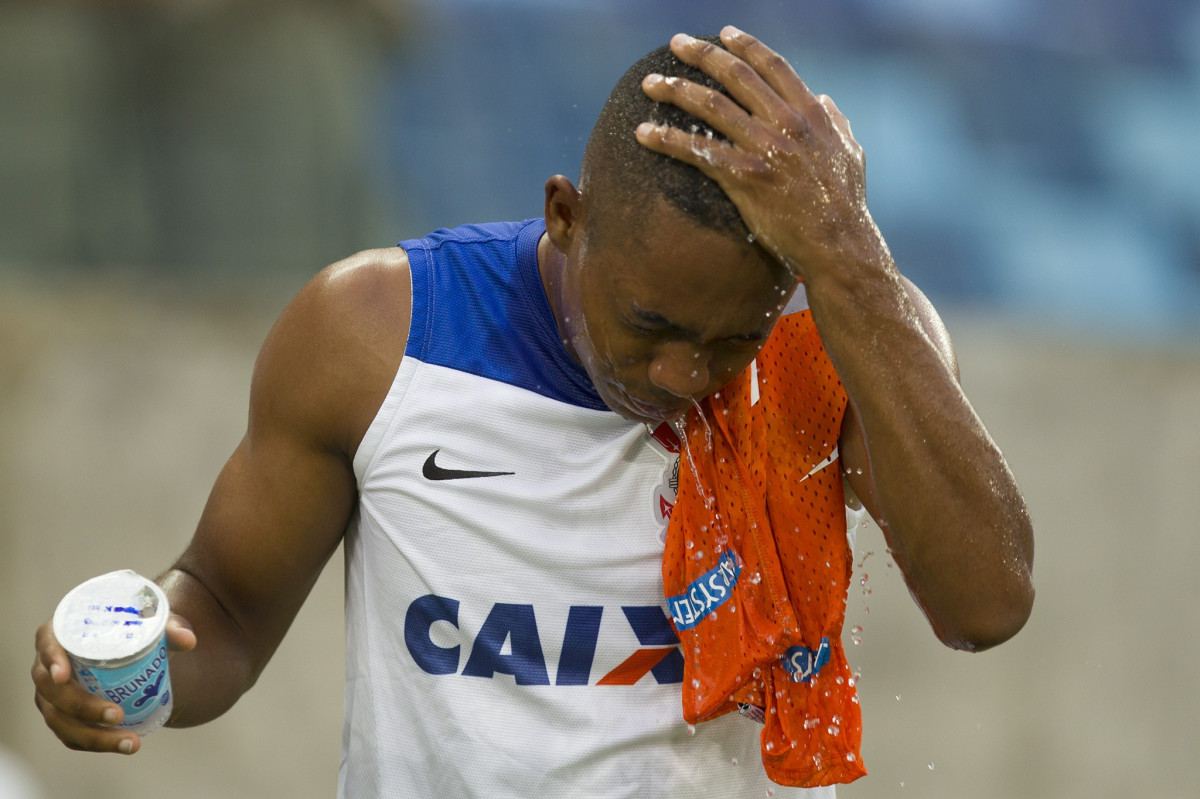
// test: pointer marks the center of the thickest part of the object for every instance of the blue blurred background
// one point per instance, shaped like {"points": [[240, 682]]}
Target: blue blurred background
{"points": [[1034, 157], [171, 171]]}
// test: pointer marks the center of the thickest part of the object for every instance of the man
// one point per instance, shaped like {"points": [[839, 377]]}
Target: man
{"points": [[448, 407]]}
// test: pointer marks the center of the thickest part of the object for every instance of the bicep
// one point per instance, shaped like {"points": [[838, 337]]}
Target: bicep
{"points": [[274, 517]]}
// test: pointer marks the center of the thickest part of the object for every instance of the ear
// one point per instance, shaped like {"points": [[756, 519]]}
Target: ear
{"points": [[564, 211]]}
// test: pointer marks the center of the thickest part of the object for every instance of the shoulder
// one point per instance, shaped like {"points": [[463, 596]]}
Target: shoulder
{"points": [[329, 360]]}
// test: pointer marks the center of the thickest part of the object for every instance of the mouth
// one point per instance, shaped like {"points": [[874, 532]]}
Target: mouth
{"points": [[633, 408]]}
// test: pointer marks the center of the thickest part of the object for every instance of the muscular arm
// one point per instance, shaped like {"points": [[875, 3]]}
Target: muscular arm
{"points": [[282, 502], [930, 473], [279, 507]]}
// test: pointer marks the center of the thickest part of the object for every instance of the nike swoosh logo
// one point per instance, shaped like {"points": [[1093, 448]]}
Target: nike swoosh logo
{"points": [[432, 471]]}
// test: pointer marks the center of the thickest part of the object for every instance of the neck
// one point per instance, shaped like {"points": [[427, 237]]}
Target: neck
{"points": [[550, 267]]}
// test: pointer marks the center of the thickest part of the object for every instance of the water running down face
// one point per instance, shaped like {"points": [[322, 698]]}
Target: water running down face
{"points": [[666, 312]]}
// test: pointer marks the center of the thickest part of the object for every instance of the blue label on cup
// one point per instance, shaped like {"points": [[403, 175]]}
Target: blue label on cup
{"points": [[142, 689]]}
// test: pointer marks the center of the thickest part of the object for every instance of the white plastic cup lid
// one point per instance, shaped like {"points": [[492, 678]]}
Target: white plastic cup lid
{"points": [[112, 616]]}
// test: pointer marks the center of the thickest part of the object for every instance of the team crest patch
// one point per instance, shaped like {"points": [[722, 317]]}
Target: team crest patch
{"points": [[664, 494]]}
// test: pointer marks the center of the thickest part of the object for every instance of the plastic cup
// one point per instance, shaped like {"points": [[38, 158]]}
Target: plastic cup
{"points": [[114, 630]]}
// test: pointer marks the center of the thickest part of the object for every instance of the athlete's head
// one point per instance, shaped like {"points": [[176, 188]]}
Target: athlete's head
{"points": [[622, 178], [656, 287]]}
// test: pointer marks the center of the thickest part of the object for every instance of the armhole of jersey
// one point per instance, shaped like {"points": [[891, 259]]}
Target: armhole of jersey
{"points": [[364, 456]]}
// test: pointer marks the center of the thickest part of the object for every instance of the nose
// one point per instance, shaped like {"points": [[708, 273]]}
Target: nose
{"points": [[681, 369]]}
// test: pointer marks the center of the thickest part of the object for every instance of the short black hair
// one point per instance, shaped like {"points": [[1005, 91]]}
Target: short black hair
{"points": [[620, 175]]}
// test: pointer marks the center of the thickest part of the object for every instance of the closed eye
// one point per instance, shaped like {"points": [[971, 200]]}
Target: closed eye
{"points": [[647, 323], [758, 337], [637, 327]]}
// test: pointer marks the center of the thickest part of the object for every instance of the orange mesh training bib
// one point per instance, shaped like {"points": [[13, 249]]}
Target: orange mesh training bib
{"points": [[757, 565]]}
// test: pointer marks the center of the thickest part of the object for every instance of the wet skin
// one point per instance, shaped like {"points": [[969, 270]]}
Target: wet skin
{"points": [[660, 316]]}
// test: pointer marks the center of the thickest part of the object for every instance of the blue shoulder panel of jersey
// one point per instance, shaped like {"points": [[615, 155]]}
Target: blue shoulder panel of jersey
{"points": [[479, 307]]}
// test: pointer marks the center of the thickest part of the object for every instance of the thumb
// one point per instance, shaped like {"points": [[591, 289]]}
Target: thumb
{"points": [[180, 636]]}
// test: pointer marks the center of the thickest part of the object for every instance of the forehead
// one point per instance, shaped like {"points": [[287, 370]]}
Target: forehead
{"points": [[692, 276]]}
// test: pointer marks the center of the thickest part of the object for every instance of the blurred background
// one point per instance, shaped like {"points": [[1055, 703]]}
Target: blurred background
{"points": [[171, 171]]}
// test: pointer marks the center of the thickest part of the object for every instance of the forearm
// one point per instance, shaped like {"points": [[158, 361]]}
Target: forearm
{"points": [[943, 495], [209, 679]]}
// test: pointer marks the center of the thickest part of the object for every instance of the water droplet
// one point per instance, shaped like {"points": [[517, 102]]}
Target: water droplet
{"points": [[770, 791], [897, 697], [931, 767], [691, 728], [695, 683], [850, 758], [770, 744], [688, 544], [832, 729]]}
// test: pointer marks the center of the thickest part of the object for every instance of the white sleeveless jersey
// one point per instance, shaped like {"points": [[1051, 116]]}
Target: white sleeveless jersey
{"points": [[506, 630]]}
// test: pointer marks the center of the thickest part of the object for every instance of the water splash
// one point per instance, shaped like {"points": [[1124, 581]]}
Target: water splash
{"points": [[708, 434]]}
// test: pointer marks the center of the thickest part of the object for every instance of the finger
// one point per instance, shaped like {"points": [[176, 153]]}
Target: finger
{"points": [[72, 699], [709, 106], [774, 69], [740, 79], [713, 157], [81, 736], [180, 636], [51, 655]]}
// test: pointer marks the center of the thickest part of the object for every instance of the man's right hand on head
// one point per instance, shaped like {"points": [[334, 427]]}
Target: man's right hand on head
{"points": [[81, 720]]}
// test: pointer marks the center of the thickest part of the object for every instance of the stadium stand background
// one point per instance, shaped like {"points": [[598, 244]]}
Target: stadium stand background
{"points": [[172, 170]]}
